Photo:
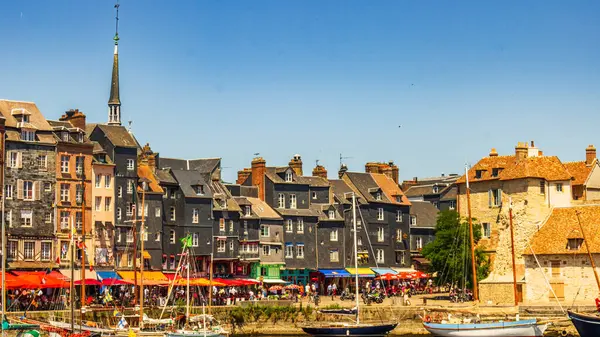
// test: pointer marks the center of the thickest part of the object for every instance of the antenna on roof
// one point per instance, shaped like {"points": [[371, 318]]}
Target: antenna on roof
{"points": [[129, 125], [257, 154], [317, 162], [342, 159]]}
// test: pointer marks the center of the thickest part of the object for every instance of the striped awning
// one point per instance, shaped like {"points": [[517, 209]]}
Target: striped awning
{"points": [[362, 272], [330, 273]]}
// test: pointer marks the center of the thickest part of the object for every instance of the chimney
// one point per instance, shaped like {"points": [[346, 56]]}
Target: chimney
{"points": [[243, 175], [590, 154], [296, 164], [343, 169], [493, 152], [147, 157], [259, 168], [75, 117], [521, 151], [372, 167], [395, 172], [319, 171], [386, 170]]}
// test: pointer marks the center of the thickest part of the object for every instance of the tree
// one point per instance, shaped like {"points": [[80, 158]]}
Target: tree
{"points": [[450, 251]]}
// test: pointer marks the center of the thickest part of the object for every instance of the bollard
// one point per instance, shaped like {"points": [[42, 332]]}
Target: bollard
{"points": [[424, 301]]}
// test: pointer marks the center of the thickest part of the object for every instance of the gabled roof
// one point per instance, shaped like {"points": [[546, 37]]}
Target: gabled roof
{"points": [[203, 165], [299, 212], [391, 189], [362, 182], [165, 177], [145, 172], [262, 210], [562, 224], [187, 179], [449, 193], [10, 109], [341, 191], [425, 212], [116, 134], [486, 166], [313, 181], [579, 170], [323, 211]]}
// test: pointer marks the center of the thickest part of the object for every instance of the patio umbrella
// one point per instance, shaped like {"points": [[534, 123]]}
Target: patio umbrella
{"points": [[89, 282], [275, 288], [114, 282], [387, 277], [292, 286]]}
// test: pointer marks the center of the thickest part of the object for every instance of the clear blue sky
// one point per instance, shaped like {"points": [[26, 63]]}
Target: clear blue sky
{"points": [[319, 78]]}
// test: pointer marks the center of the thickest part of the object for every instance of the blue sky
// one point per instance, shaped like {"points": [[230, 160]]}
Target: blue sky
{"points": [[319, 78]]}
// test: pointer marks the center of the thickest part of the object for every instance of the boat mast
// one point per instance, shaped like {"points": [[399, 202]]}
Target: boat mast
{"points": [[3, 247], [72, 283], [473, 267], [587, 247], [142, 232], [355, 257], [210, 283], [82, 239], [187, 300], [134, 229], [512, 245]]}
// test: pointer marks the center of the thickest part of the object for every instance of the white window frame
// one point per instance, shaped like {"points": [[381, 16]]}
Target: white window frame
{"points": [[293, 201], [157, 212], [266, 250], [26, 218], [262, 231], [399, 216], [289, 251], [65, 216], [172, 213], [98, 180], [195, 215], [333, 235], [195, 240], [380, 215], [378, 196], [26, 255], [331, 214], [300, 251], [97, 203], [107, 181], [334, 255], [130, 186], [222, 225], [281, 200], [399, 234], [120, 192], [300, 226], [559, 187], [221, 246], [129, 237], [289, 176], [9, 189], [42, 162], [380, 256], [14, 159], [314, 195], [64, 163], [413, 220], [172, 237], [289, 226], [419, 242], [28, 186], [107, 204], [380, 234], [119, 213], [130, 164], [452, 204]]}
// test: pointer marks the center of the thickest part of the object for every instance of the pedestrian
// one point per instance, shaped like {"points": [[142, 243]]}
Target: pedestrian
{"points": [[329, 290], [333, 291]]}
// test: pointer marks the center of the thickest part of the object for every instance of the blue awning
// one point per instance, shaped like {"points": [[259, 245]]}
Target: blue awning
{"points": [[107, 274], [334, 273], [381, 271]]}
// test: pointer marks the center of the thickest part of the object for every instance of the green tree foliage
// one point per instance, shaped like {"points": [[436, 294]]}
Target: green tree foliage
{"points": [[450, 252]]}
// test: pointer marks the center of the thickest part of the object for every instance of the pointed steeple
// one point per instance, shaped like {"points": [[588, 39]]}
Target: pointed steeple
{"points": [[114, 102]]}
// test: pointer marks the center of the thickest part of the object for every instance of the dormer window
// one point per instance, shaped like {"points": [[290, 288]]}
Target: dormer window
{"points": [[224, 203], [378, 196], [28, 135], [199, 189], [25, 118], [64, 136], [478, 174], [288, 177], [331, 215], [495, 172], [247, 211], [398, 198], [436, 189], [574, 244], [80, 137]]}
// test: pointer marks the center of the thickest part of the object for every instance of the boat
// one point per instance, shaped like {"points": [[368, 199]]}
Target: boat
{"points": [[520, 328], [524, 328], [350, 328]]}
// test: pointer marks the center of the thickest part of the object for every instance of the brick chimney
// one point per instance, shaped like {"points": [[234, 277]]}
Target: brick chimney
{"points": [[590, 154], [243, 175], [259, 168], [319, 171], [343, 169], [296, 164], [148, 157], [521, 151], [372, 167], [386, 170], [493, 152], [75, 117], [395, 172]]}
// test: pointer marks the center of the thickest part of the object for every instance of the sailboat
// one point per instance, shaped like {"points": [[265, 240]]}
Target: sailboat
{"points": [[524, 328], [353, 328], [587, 325]]}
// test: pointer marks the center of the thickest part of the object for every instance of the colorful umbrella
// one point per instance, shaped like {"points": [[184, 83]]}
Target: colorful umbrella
{"points": [[387, 277], [275, 288], [114, 282], [89, 282], [292, 286]]}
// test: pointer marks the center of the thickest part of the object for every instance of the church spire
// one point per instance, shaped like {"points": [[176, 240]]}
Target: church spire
{"points": [[114, 102]]}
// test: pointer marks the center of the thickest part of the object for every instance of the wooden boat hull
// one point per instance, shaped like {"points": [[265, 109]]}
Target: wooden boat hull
{"points": [[351, 330], [526, 328], [586, 325], [193, 334]]}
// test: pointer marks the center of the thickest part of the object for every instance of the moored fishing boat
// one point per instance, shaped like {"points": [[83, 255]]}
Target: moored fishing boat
{"points": [[524, 328], [587, 325]]}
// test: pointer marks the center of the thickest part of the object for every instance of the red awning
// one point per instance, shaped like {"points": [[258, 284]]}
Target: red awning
{"points": [[89, 282]]}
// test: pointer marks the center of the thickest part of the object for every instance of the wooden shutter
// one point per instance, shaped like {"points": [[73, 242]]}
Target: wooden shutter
{"points": [[19, 189], [490, 198], [19, 159], [37, 190]]}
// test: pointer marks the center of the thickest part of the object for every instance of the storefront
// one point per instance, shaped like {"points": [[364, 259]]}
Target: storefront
{"points": [[300, 276]]}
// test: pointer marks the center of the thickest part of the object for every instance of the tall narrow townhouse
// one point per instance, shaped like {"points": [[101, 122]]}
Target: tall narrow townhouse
{"points": [[173, 204], [586, 177], [30, 179], [74, 201], [534, 183]]}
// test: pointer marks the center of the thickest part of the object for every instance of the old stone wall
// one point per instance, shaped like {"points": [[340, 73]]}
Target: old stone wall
{"points": [[496, 293]]}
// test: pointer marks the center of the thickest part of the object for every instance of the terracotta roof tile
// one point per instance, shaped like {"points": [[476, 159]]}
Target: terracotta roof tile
{"points": [[561, 225], [486, 166], [145, 172], [579, 170], [391, 190]]}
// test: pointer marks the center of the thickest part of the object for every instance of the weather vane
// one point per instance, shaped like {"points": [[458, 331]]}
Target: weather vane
{"points": [[117, 22]]}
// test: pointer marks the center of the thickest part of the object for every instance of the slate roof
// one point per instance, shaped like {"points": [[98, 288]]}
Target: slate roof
{"points": [[579, 170], [116, 134], [98, 148], [262, 210], [58, 125], [340, 190], [362, 182], [312, 181], [449, 193], [298, 212], [189, 178], [562, 224], [165, 177], [203, 165], [323, 211], [425, 212], [36, 118], [172, 163]]}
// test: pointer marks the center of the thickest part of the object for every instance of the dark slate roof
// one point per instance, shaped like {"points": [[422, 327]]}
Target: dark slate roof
{"points": [[98, 148], [363, 182], [172, 163], [426, 213], [116, 134], [187, 179], [340, 188], [66, 126], [323, 211], [249, 191], [450, 193], [206, 165], [419, 190], [313, 181], [165, 177], [298, 212]]}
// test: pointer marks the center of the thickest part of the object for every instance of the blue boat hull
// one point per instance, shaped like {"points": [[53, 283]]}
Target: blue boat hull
{"points": [[351, 330], [586, 325]]}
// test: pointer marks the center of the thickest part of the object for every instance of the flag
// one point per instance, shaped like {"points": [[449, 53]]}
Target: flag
{"points": [[187, 241], [116, 313], [108, 298], [122, 323]]}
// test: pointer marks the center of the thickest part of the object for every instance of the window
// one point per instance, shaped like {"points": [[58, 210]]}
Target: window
{"points": [[452, 204], [289, 226], [119, 235], [28, 135], [119, 215], [413, 220], [221, 245], [107, 181], [559, 187], [314, 195], [130, 235], [288, 176], [98, 203], [172, 213], [300, 251], [107, 201], [380, 256], [419, 242], [64, 136], [64, 219], [199, 189], [289, 251], [173, 193], [380, 214], [129, 259], [129, 210], [543, 187], [436, 204], [555, 265], [300, 226], [281, 201], [42, 162], [230, 226], [26, 218], [64, 164], [196, 216], [130, 186], [9, 191], [231, 245], [292, 201], [266, 250], [247, 211], [399, 216], [222, 225], [14, 159], [78, 220], [157, 212], [48, 217], [359, 241], [11, 249], [495, 172], [333, 235], [130, 164], [478, 174], [79, 193], [79, 162], [487, 230], [495, 197], [120, 191], [574, 244], [172, 237], [98, 180], [399, 235], [378, 196], [331, 214], [46, 251], [436, 189], [157, 236], [29, 250], [334, 255], [47, 187], [245, 229], [172, 262], [28, 190], [195, 239], [380, 234], [264, 230], [9, 217]]}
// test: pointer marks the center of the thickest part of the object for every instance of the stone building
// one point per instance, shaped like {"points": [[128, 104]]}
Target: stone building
{"points": [[440, 191], [30, 179], [557, 255], [535, 183], [74, 202], [586, 177]]}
